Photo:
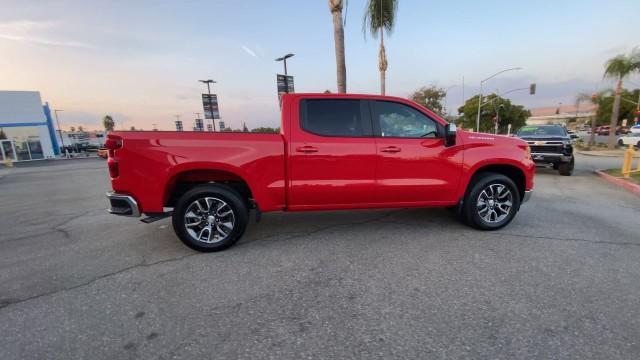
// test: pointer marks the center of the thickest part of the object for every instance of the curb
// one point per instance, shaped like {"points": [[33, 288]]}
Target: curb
{"points": [[604, 155], [629, 186]]}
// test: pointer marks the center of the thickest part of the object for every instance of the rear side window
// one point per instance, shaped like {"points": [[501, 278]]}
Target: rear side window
{"points": [[334, 117]]}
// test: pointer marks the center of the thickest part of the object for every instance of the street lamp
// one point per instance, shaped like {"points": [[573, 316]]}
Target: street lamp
{"points": [[480, 98], [55, 111], [209, 82], [284, 59]]}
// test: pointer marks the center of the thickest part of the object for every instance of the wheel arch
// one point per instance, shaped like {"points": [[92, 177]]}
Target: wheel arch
{"points": [[187, 177], [513, 172]]}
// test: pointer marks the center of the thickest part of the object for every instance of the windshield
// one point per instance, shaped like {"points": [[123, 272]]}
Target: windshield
{"points": [[542, 130]]}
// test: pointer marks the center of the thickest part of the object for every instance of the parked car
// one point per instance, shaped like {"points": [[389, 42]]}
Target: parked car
{"points": [[630, 138], [335, 151], [550, 145], [635, 129], [603, 130]]}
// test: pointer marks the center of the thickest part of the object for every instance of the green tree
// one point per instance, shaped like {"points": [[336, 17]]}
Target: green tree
{"points": [[620, 67], [431, 97], [335, 6], [244, 127], [3, 136], [595, 100], [496, 107], [80, 128], [606, 102], [108, 123], [380, 16], [133, 128], [72, 128]]}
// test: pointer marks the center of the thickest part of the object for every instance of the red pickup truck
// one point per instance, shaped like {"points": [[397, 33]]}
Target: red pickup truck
{"points": [[334, 151]]}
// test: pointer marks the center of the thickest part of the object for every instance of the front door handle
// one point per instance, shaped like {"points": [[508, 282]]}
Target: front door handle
{"points": [[391, 149], [307, 149]]}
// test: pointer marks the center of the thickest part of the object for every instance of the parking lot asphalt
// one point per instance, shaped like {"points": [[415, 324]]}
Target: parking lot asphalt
{"points": [[561, 282]]}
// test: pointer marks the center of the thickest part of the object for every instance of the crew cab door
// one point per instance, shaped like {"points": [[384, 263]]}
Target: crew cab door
{"points": [[331, 154], [413, 164]]}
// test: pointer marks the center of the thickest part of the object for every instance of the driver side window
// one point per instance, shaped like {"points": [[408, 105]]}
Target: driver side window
{"points": [[400, 120]]}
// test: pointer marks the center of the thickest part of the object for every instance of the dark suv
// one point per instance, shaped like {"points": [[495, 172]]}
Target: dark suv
{"points": [[550, 145]]}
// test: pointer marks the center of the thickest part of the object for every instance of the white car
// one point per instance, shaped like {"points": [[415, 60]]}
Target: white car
{"points": [[630, 138], [635, 129]]}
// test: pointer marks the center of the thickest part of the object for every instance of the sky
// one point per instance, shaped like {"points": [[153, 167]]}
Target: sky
{"points": [[140, 61]]}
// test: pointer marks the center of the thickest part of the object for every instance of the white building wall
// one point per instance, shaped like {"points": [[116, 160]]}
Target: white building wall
{"points": [[45, 141]]}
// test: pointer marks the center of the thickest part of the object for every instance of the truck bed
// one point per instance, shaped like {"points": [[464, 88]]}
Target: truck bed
{"points": [[153, 162]]}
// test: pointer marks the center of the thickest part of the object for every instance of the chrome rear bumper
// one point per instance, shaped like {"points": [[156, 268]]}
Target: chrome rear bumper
{"points": [[123, 205]]}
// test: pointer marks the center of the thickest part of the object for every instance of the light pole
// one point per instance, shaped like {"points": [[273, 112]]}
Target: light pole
{"points": [[55, 111], [286, 79], [480, 97], [209, 82], [284, 59]]}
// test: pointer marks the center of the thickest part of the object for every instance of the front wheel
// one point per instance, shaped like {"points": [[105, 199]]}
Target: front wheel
{"points": [[491, 202], [566, 169], [210, 217]]}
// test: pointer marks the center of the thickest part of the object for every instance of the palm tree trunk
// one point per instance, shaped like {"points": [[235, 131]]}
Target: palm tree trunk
{"points": [[382, 64], [611, 143], [338, 37]]}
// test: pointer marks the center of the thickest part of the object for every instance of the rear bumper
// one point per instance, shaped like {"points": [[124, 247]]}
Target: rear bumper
{"points": [[123, 205], [527, 195], [550, 158]]}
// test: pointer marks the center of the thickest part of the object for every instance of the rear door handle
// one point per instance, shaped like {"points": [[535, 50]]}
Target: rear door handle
{"points": [[307, 149], [391, 149]]}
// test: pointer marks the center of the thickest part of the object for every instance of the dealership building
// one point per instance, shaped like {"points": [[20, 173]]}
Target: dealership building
{"points": [[26, 127]]}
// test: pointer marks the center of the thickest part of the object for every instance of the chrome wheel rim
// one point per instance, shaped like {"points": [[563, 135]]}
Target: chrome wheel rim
{"points": [[494, 203], [209, 220]]}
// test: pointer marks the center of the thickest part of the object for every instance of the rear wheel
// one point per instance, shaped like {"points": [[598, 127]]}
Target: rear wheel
{"points": [[491, 202], [566, 169], [210, 217], [620, 142]]}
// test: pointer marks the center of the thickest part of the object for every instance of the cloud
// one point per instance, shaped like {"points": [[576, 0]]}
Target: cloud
{"points": [[23, 31], [248, 51]]}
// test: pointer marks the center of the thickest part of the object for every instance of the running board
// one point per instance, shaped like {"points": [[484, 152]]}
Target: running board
{"points": [[155, 217]]}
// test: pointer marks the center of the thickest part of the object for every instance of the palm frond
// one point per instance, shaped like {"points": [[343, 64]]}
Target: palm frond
{"points": [[379, 14]]}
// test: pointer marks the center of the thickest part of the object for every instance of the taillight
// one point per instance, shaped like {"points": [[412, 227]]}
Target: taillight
{"points": [[113, 167], [113, 143]]}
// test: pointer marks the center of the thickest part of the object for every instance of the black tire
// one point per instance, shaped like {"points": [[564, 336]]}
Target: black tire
{"points": [[620, 143], [208, 195], [555, 166], [566, 169], [480, 183]]}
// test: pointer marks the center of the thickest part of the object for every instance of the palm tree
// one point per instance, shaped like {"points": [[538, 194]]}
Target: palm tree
{"points": [[379, 16], [335, 6], [108, 123], [620, 67]]}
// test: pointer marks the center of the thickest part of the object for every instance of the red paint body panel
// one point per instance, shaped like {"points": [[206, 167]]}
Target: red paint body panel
{"points": [[297, 170]]}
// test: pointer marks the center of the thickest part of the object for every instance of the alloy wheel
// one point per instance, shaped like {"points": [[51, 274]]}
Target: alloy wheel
{"points": [[494, 203], [209, 220]]}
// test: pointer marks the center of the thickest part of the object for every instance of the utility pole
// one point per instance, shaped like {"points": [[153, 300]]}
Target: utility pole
{"points": [[209, 82], [60, 130]]}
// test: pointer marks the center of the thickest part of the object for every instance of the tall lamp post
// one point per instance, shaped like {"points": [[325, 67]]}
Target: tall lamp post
{"points": [[284, 59], [480, 98], [209, 82], [286, 79], [55, 111]]}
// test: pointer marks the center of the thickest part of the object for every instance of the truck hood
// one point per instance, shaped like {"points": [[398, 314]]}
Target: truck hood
{"points": [[544, 138], [485, 139]]}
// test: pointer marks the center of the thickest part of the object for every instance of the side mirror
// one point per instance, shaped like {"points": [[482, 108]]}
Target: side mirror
{"points": [[450, 135]]}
